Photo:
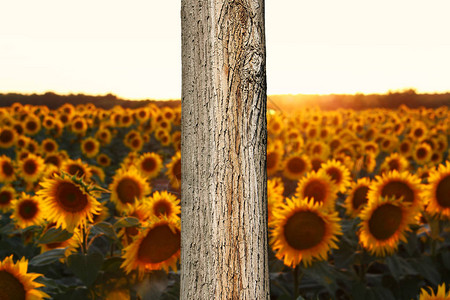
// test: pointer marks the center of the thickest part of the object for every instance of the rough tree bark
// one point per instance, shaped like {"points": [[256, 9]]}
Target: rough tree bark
{"points": [[224, 136]]}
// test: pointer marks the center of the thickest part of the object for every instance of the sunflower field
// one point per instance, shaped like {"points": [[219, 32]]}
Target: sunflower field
{"points": [[358, 202]]}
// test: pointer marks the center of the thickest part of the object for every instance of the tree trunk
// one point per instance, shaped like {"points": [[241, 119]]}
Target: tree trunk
{"points": [[223, 144]]}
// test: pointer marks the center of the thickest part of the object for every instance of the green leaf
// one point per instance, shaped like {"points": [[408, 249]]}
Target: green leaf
{"points": [[446, 259], [48, 257], [85, 267], [127, 222], [105, 228], [383, 293], [426, 268], [399, 267], [55, 235]]}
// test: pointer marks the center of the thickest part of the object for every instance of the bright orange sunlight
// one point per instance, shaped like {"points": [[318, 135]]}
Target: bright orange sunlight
{"points": [[133, 50]]}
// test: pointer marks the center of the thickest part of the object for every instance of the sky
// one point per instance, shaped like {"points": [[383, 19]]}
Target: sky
{"points": [[133, 48]]}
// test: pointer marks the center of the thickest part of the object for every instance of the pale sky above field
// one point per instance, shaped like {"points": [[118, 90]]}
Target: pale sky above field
{"points": [[133, 48]]}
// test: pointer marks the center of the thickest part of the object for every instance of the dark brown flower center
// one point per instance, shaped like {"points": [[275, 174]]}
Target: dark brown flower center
{"points": [[127, 190], [159, 245], [394, 164], [272, 160], [31, 125], [161, 208], [49, 147], [418, 132], [6, 136], [7, 169], [53, 159], [304, 230], [10, 287], [148, 164], [398, 189], [30, 167], [177, 169], [28, 209], [360, 196], [5, 197], [421, 153], [315, 189], [78, 125], [385, 221], [404, 147], [89, 146], [70, 197], [296, 165], [335, 174], [443, 192], [316, 163], [75, 169]]}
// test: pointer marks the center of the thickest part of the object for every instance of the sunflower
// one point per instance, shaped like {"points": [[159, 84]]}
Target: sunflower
{"points": [[401, 186], [318, 149], [142, 114], [384, 222], [103, 160], [174, 170], [32, 125], [127, 188], [165, 140], [7, 194], [156, 247], [8, 137], [371, 147], [48, 122], [436, 158], [422, 153], [357, 196], [97, 171], [67, 201], [102, 215], [31, 167], [77, 168], [388, 143], [275, 191], [418, 131], [302, 231], [164, 204], [136, 143], [49, 146], [437, 192], [318, 187], [140, 211], [149, 164], [440, 295], [17, 283], [394, 162], [78, 125], [104, 136], [339, 174], [71, 244], [7, 172], [53, 159], [90, 147], [27, 211], [176, 140], [295, 166]]}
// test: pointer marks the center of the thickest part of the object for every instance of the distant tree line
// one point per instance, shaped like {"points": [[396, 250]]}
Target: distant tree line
{"points": [[286, 103], [53, 101], [391, 100]]}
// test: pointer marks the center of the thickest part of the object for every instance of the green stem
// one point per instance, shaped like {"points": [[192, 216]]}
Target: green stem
{"points": [[84, 239], [296, 283]]}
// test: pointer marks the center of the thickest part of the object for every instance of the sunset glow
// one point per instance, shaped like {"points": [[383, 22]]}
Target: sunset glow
{"points": [[133, 49]]}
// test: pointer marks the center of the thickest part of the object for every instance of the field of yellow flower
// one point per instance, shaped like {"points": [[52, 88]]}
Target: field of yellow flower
{"points": [[359, 203]]}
